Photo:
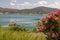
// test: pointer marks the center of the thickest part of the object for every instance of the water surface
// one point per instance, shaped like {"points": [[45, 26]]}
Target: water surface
{"points": [[5, 19]]}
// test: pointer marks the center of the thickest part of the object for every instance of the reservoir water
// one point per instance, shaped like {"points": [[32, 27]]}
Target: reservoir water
{"points": [[5, 19]]}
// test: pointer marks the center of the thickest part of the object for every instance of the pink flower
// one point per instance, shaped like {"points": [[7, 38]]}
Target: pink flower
{"points": [[55, 35], [42, 28], [50, 13], [58, 11], [49, 16], [57, 19], [42, 19]]}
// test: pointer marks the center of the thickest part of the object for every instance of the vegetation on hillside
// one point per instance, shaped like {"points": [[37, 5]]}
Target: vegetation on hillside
{"points": [[37, 10]]}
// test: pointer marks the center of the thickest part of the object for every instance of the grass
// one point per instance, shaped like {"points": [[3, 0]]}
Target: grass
{"points": [[15, 35]]}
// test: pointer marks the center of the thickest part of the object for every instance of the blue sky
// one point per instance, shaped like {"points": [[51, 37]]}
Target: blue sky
{"points": [[26, 4]]}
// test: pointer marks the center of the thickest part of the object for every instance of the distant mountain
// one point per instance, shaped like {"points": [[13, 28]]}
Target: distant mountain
{"points": [[37, 10]]}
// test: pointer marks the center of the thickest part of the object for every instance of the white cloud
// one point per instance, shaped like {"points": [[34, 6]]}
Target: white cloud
{"points": [[30, 5], [54, 5], [12, 4], [22, 6], [41, 3], [37, 4], [14, 0], [27, 3]]}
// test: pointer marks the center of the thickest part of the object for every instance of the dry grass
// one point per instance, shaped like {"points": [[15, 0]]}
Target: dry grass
{"points": [[15, 35]]}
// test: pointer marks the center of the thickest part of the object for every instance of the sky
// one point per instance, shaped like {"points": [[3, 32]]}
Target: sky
{"points": [[27, 4]]}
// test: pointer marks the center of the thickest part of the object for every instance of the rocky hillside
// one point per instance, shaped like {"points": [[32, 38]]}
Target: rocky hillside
{"points": [[37, 10]]}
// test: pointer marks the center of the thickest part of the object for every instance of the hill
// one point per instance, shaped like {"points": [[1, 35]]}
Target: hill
{"points": [[37, 10]]}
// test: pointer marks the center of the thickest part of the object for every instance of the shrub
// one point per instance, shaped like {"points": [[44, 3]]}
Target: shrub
{"points": [[35, 30], [51, 25]]}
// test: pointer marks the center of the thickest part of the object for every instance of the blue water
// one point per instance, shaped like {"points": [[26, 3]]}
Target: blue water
{"points": [[19, 19]]}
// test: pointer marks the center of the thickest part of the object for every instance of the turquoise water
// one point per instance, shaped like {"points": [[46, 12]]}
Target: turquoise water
{"points": [[5, 19]]}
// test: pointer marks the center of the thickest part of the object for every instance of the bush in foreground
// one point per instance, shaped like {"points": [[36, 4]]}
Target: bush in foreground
{"points": [[51, 25]]}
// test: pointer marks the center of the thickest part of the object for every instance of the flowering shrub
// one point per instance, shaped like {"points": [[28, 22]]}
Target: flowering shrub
{"points": [[51, 25]]}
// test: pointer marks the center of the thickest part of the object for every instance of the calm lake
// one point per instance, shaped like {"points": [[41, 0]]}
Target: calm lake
{"points": [[5, 19]]}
